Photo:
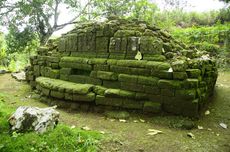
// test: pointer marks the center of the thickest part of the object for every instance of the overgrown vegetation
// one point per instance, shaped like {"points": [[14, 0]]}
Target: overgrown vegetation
{"points": [[32, 23], [62, 138]]}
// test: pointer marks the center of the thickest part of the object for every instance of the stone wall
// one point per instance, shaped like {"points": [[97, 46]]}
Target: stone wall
{"points": [[124, 65]]}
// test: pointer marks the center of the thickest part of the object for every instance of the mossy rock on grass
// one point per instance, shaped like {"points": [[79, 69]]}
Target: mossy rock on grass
{"points": [[117, 114]]}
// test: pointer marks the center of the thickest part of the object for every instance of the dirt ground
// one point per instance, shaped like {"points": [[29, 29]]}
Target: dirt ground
{"points": [[132, 136]]}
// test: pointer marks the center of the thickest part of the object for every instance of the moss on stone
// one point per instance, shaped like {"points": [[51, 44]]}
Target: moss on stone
{"points": [[101, 100], [151, 81], [117, 93], [107, 75], [89, 97], [132, 104], [179, 65], [151, 107], [186, 94], [193, 73], [99, 90], [169, 84], [127, 78], [180, 75]]}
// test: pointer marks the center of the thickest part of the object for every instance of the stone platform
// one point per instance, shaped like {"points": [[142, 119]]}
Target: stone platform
{"points": [[124, 65]]}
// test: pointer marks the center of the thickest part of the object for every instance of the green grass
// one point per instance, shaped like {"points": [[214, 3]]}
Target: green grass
{"points": [[61, 139]]}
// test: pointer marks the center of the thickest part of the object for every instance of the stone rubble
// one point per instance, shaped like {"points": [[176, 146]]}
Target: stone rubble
{"points": [[35, 119]]}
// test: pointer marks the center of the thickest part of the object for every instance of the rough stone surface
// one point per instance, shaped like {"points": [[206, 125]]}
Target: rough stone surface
{"points": [[20, 76], [35, 119], [96, 64]]}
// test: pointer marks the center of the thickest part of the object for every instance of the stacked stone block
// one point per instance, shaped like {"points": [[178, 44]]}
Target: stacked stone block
{"points": [[95, 65]]}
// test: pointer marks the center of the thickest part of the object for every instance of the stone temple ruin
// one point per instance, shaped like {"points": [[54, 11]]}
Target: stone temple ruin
{"points": [[122, 64]]}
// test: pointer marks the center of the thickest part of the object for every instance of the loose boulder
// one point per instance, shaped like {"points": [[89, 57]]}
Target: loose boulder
{"points": [[20, 76], [35, 119]]}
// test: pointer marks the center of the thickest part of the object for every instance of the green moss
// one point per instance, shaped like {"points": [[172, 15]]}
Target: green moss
{"points": [[152, 81], [57, 94], [169, 84], [102, 44], [193, 73], [107, 75], [179, 65], [132, 86], [152, 107], [151, 89], [186, 94], [125, 33], [180, 75], [101, 100], [65, 71], [132, 63], [132, 104], [97, 61], [90, 97], [99, 90], [162, 74], [156, 57], [191, 83], [151, 45], [54, 74], [127, 78], [111, 84], [168, 92], [117, 93]]}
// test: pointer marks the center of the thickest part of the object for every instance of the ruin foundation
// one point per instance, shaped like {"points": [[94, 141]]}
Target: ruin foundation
{"points": [[121, 64]]}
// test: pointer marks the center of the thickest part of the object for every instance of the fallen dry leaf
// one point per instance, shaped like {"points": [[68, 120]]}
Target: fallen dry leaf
{"points": [[85, 128], [154, 132], [223, 125], [200, 127], [142, 120], [72, 127], [207, 112], [122, 120], [191, 135]]}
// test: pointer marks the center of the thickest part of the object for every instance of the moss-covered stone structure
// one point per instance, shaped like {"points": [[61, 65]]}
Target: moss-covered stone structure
{"points": [[121, 64]]}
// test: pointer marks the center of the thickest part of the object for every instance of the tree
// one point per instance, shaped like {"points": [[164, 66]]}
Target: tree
{"points": [[139, 9], [40, 16], [226, 1]]}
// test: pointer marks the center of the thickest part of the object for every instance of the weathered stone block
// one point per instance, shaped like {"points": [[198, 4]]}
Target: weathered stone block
{"points": [[90, 97], [102, 44], [169, 84], [111, 84], [128, 78], [132, 104], [150, 44], [101, 100], [57, 94], [186, 94], [151, 89], [193, 73], [107, 75], [117, 93], [168, 92], [132, 86], [180, 75], [152, 107]]}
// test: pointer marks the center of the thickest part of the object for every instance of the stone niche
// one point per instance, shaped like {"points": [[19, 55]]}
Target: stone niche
{"points": [[95, 67]]}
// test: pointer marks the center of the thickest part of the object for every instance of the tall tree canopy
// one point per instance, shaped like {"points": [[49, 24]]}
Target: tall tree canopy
{"points": [[40, 16]]}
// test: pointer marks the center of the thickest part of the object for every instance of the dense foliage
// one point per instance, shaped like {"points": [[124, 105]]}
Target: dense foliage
{"points": [[31, 23]]}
